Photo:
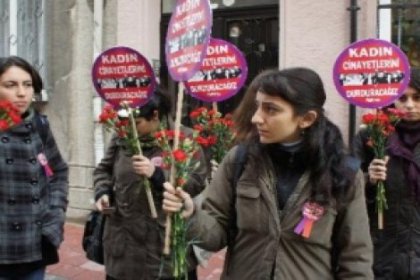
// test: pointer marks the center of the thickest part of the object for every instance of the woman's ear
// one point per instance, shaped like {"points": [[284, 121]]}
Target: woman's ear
{"points": [[308, 119]]}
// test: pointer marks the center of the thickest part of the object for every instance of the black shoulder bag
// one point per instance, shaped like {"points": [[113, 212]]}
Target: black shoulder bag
{"points": [[92, 237]]}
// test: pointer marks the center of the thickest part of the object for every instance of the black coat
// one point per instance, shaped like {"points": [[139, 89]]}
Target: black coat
{"points": [[133, 241], [397, 246], [32, 205]]}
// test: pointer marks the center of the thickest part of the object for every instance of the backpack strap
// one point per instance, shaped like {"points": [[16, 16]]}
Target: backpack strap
{"points": [[41, 126], [353, 163], [239, 166]]}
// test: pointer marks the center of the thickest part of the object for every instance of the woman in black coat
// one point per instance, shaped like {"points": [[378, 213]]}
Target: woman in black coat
{"points": [[397, 246], [33, 192]]}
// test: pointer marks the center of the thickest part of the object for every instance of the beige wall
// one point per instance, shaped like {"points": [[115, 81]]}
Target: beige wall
{"points": [[70, 48], [138, 26], [313, 33]]}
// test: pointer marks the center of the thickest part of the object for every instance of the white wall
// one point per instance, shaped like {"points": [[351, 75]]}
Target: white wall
{"points": [[313, 33], [139, 26]]}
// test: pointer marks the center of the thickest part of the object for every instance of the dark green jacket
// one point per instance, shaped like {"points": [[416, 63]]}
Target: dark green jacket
{"points": [[133, 241], [266, 246]]}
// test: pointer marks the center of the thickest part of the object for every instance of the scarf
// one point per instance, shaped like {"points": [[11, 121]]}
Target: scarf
{"points": [[402, 144], [148, 141], [290, 163]]}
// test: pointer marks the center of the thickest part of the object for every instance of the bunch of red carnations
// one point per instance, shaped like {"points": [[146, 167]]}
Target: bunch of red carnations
{"points": [[215, 131], [379, 126], [182, 160], [9, 115], [119, 122]]}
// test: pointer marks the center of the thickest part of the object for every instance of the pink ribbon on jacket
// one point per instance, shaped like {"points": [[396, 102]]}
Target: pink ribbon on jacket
{"points": [[44, 162], [311, 212]]}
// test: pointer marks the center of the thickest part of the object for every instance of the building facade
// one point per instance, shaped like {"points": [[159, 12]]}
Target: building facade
{"points": [[63, 37]]}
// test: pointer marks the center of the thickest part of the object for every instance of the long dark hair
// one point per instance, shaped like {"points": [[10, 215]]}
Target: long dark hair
{"points": [[322, 142], [7, 62]]}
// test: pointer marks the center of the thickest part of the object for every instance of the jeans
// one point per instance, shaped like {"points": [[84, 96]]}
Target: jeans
{"points": [[37, 274]]}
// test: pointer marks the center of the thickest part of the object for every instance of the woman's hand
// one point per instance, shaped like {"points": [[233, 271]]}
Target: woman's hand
{"points": [[102, 202], [143, 166], [377, 170], [174, 200]]}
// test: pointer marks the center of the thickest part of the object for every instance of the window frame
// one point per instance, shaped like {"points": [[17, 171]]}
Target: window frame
{"points": [[25, 29]]}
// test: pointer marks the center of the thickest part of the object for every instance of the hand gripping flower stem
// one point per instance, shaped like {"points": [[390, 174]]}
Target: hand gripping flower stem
{"points": [[379, 126], [168, 226], [182, 161], [140, 152]]}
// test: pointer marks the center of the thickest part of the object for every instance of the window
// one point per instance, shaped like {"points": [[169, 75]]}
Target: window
{"points": [[399, 22], [22, 26]]}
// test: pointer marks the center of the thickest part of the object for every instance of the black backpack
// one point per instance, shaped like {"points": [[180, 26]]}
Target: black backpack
{"points": [[92, 237]]}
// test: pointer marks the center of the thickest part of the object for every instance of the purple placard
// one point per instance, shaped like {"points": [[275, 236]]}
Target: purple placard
{"points": [[222, 73], [187, 37], [371, 73], [123, 74]]}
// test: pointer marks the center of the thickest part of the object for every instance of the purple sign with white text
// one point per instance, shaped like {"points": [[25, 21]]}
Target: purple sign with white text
{"points": [[371, 73], [222, 73], [123, 74], [187, 37]]}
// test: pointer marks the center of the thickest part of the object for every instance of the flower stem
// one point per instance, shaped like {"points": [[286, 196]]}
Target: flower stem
{"points": [[381, 203], [179, 247], [139, 151], [166, 248], [152, 206]]}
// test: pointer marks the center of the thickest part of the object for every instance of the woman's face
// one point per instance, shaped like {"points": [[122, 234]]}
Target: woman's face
{"points": [[275, 120], [16, 87], [409, 103]]}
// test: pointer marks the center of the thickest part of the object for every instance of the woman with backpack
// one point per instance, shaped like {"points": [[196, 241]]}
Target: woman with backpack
{"points": [[33, 180], [295, 207]]}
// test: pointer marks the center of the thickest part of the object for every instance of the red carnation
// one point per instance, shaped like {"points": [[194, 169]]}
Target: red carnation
{"points": [[9, 115], [179, 155]]}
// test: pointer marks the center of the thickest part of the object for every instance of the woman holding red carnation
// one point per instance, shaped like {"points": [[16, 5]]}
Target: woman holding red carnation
{"points": [[33, 178], [297, 209], [133, 241], [397, 245]]}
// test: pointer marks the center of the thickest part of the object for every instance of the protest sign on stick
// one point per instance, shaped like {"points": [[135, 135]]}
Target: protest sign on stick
{"points": [[373, 74], [221, 75], [125, 79], [186, 41]]}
